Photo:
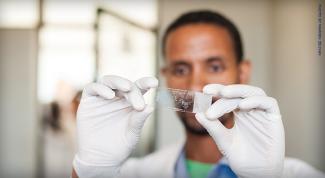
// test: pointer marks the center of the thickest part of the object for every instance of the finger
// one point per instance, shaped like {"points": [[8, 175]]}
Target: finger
{"points": [[127, 89], [268, 104], [241, 91], [136, 124], [138, 118], [96, 89], [135, 98], [211, 126], [220, 134], [222, 107], [116, 83], [213, 89], [146, 83]]}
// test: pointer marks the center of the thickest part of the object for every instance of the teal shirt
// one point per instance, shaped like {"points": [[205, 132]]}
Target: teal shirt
{"points": [[185, 168], [197, 169]]}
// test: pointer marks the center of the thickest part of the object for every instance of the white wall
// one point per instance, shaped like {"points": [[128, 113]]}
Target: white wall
{"points": [[18, 103], [297, 80], [280, 40]]}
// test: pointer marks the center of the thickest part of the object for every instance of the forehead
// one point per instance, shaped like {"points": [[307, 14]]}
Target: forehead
{"points": [[199, 41]]}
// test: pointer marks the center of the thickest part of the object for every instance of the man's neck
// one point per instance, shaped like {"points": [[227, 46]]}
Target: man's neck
{"points": [[201, 148]]}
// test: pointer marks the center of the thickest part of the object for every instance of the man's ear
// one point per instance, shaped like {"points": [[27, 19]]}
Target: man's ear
{"points": [[245, 68], [163, 71]]}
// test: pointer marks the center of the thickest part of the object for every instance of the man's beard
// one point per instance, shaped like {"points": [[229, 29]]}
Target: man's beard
{"points": [[194, 127], [191, 124]]}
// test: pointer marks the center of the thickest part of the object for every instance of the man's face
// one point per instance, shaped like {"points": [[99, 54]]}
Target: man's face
{"points": [[200, 54]]}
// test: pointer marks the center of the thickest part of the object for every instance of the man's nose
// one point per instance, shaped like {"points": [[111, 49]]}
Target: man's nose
{"points": [[197, 80]]}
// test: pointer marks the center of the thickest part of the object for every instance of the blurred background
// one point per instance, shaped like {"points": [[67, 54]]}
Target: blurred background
{"points": [[49, 49]]}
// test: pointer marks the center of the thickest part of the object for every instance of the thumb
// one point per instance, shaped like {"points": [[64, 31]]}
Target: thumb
{"points": [[220, 134], [138, 119], [135, 124]]}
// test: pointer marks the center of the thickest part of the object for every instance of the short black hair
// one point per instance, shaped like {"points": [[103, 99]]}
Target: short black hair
{"points": [[208, 17]]}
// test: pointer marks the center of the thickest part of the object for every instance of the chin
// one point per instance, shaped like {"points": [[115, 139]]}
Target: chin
{"points": [[191, 124]]}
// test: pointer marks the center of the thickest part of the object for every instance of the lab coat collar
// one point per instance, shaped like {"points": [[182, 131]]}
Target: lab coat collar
{"points": [[180, 170]]}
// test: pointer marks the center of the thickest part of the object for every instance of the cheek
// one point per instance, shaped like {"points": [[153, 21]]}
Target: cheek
{"points": [[227, 77], [177, 82]]}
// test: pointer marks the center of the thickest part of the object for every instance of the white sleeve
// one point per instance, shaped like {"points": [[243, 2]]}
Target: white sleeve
{"points": [[295, 168], [159, 164]]}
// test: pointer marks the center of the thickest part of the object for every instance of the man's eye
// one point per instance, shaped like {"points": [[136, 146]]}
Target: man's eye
{"points": [[215, 68], [181, 71]]}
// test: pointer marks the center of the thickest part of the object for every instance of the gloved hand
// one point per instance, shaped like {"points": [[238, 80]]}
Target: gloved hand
{"points": [[110, 117], [254, 146]]}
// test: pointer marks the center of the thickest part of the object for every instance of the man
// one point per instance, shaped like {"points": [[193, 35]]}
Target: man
{"points": [[240, 135]]}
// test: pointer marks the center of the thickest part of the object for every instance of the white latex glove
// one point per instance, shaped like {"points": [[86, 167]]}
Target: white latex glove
{"points": [[109, 126], [255, 145]]}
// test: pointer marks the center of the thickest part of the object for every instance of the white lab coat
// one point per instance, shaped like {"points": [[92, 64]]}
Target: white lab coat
{"points": [[161, 164]]}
